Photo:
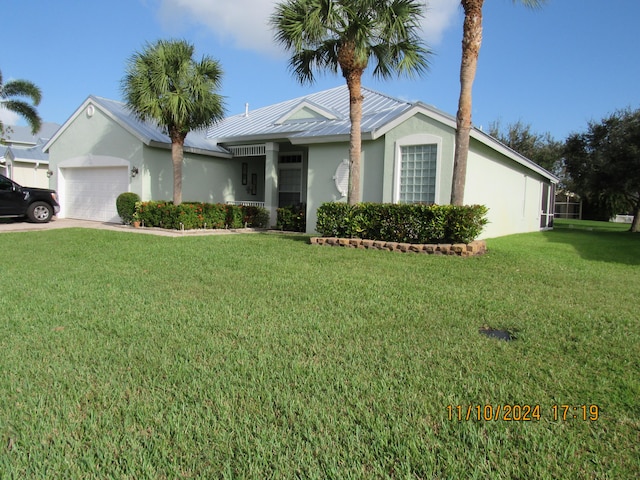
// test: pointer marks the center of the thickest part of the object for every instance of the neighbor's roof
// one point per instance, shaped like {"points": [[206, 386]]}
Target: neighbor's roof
{"points": [[147, 132], [27, 155], [324, 117], [21, 136]]}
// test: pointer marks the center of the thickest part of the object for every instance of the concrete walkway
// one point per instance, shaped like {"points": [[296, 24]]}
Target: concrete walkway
{"points": [[8, 225]]}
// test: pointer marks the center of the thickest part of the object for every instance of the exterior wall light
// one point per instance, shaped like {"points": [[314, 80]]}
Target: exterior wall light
{"points": [[49, 174], [134, 171]]}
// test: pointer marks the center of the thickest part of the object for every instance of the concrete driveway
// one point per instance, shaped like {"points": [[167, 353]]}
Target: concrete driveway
{"points": [[17, 225], [10, 225]]}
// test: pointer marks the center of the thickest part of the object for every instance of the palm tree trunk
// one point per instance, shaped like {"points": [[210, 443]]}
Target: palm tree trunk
{"points": [[177, 155], [471, 42], [354, 84]]}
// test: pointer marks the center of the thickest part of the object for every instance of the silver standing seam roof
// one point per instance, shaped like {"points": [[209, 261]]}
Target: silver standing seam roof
{"points": [[31, 155], [151, 134], [266, 122], [314, 118]]}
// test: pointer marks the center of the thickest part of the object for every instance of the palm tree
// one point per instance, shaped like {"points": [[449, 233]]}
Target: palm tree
{"points": [[471, 42], [347, 34], [166, 86], [21, 88]]}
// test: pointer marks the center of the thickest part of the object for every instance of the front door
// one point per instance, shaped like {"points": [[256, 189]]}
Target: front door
{"points": [[289, 179]]}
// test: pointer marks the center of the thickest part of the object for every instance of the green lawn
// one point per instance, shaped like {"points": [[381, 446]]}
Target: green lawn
{"points": [[260, 356]]}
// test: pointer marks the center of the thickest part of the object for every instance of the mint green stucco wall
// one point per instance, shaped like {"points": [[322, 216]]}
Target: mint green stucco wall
{"points": [[323, 160], [97, 135], [512, 192]]}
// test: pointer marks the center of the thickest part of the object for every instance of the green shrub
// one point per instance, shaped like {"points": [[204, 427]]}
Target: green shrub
{"points": [[126, 206], [256, 217], [402, 222], [465, 223], [191, 215], [235, 216], [292, 218], [331, 219]]}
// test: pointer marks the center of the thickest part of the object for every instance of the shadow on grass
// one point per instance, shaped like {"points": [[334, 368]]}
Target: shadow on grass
{"points": [[599, 241], [292, 236]]}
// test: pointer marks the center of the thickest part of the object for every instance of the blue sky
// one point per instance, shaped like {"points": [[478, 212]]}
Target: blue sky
{"points": [[555, 68]]}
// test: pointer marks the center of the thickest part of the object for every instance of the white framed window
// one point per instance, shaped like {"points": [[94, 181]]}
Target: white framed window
{"points": [[416, 169]]}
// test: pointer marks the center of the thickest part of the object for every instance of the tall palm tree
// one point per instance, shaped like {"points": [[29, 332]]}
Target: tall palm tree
{"points": [[471, 42], [347, 34], [166, 86], [21, 88]]}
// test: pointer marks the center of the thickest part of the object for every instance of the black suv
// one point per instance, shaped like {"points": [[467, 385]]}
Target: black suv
{"points": [[39, 204]]}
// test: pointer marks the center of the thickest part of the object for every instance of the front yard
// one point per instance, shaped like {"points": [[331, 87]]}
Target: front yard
{"points": [[260, 356]]}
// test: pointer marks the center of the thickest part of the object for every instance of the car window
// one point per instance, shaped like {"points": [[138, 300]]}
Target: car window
{"points": [[5, 185]]}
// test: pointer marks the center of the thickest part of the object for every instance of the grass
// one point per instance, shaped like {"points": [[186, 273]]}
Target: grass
{"points": [[260, 356]]}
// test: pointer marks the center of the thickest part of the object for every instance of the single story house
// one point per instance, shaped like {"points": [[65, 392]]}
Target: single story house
{"points": [[22, 157], [295, 152]]}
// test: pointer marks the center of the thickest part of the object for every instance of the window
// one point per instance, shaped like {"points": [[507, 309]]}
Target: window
{"points": [[417, 182]]}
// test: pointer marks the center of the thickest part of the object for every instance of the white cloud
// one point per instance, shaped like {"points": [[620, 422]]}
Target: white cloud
{"points": [[245, 22], [8, 117], [441, 14]]}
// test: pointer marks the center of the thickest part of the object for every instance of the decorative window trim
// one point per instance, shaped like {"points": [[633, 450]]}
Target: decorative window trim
{"points": [[417, 139]]}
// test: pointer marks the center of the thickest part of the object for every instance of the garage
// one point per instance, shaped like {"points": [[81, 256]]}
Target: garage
{"points": [[90, 193]]}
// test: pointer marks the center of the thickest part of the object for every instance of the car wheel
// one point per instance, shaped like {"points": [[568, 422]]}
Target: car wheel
{"points": [[40, 212]]}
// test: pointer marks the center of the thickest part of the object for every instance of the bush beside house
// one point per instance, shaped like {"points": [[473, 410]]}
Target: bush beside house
{"points": [[126, 206], [292, 218], [191, 215], [406, 223]]}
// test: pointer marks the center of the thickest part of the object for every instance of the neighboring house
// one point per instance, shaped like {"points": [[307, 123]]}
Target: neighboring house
{"points": [[22, 158], [296, 152]]}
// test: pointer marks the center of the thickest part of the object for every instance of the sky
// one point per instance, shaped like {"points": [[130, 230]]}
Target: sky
{"points": [[555, 68]]}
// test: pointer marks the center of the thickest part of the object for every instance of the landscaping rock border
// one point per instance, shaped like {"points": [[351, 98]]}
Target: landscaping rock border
{"points": [[477, 247]]}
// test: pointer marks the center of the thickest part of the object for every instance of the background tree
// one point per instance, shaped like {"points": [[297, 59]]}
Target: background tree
{"points": [[603, 164], [166, 86], [543, 149], [471, 42], [346, 35], [10, 98]]}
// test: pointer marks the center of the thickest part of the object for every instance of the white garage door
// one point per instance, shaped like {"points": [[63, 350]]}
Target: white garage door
{"points": [[91, 193]]}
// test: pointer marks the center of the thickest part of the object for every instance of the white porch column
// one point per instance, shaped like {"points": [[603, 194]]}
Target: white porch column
{"points": [[271, 180]]}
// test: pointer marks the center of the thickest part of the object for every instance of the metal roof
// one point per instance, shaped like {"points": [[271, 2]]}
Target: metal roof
{"points": [[377, 109], [21, 136], [33, 154], [380, 113], [151, 133]]}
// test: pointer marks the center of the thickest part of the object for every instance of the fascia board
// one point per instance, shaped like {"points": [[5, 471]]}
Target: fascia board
{"points": [[327, 139], [197, 151], [244, 139], [475, 134], [499, 147], [66, 124], [407, 114]]}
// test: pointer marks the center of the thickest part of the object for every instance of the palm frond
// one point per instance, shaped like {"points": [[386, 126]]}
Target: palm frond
{"points": [[26, 111]]}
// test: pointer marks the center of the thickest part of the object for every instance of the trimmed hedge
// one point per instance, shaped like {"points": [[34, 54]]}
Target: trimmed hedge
{"points": [[405, 223], [293, 218], [191, 215], [126, 206]]}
